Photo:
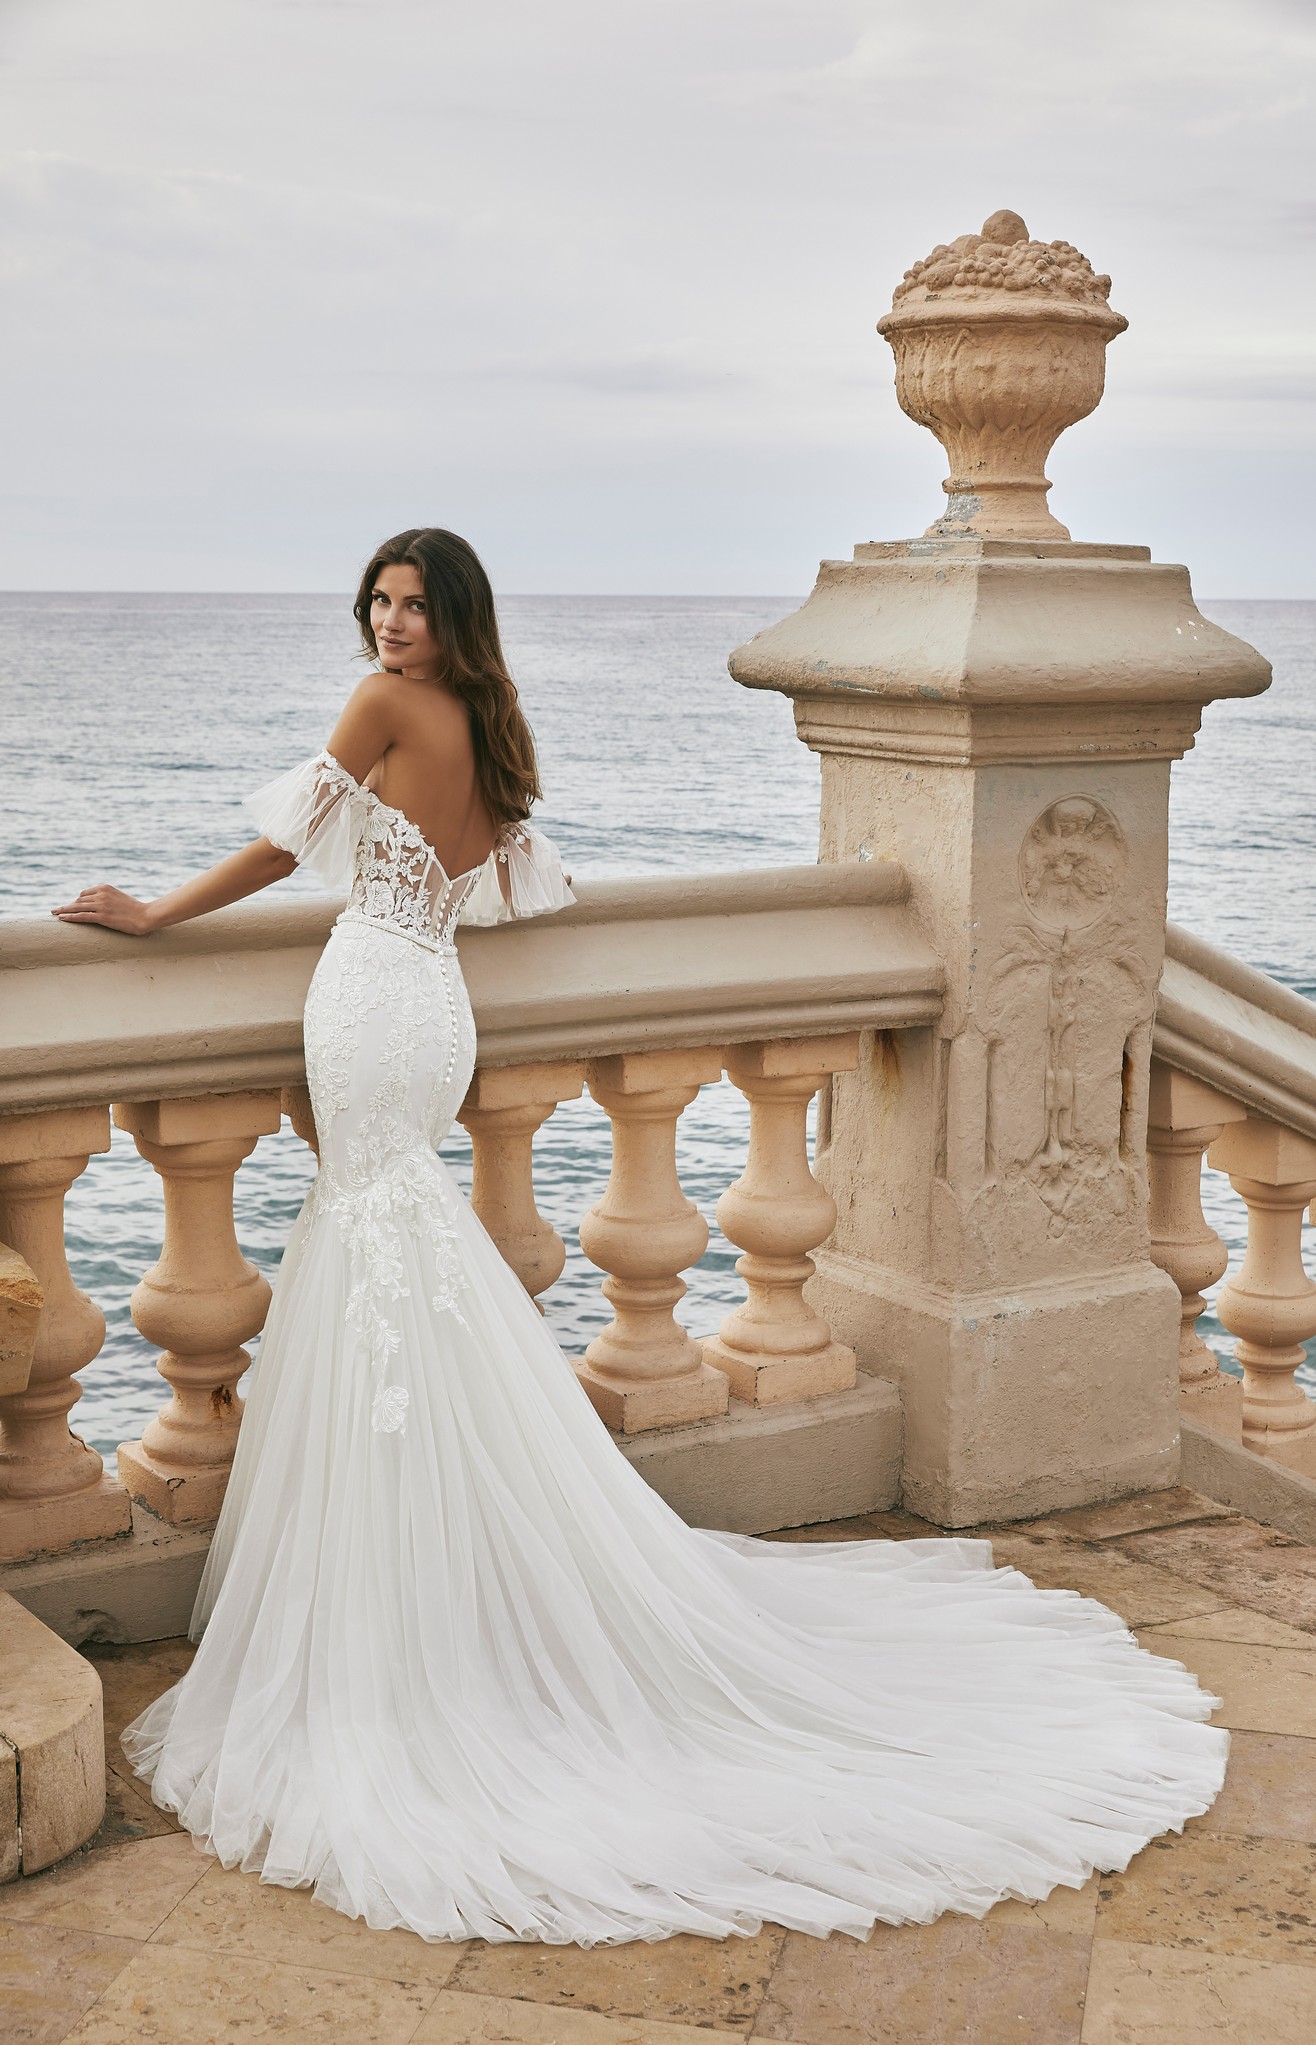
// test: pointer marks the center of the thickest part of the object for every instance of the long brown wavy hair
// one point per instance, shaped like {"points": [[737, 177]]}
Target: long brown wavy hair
{"points": [[459, 604]]}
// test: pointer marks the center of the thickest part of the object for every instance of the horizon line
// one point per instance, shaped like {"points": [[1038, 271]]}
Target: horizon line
{"points": [[577, 595]]}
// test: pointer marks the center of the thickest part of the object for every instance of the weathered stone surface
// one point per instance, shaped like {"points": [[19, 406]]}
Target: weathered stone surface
{"points": [[1264, 1689], [1142, 1595], [20, 1309], [717, 1982], [1019, 1973], [1246, 1897], [1248, 1564], [752, 1469], [229, 1912], [1000, 343], [10, 1850], [1156, 1995], [498, 2020], [123, 1892], [170, 1995], [50, 1976], [1269, 1792], [50, 1718], [1176, 1506]]}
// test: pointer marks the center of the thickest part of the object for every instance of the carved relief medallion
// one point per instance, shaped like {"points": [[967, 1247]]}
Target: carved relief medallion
{"points": [[1071, 863]]}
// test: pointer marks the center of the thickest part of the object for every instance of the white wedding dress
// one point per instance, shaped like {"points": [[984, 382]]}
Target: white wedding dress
{"points": [[462, 1670]]}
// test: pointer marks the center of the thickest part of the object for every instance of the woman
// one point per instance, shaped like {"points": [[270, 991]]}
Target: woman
{"points": [[460, 1668]]}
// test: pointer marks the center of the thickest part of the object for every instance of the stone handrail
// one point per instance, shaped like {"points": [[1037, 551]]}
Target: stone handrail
{"points": [[1237, 1030], [215, 1005], [643, 992], [1233, 1083]]}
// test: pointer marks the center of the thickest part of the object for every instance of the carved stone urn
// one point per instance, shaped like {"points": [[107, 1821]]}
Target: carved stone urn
{"points": [[1000, 343]]}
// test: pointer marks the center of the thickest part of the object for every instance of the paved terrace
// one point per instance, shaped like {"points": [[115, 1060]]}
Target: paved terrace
{"points": [[1209, 1936]]}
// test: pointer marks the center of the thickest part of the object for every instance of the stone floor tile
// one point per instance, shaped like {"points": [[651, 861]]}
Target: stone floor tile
{"points": [[1265, 1689], [50, 1975], [680, 1980], [829, 1530], [1269, 1792], [1250, 1898], [458, 2019], [174, 1996], [129, 1812], [1251, 1565], [229, 1912], [1155, 1995], [1141, 1594], [124, 1892], [133, 1677], [1177, 1507], [1245, 1628], [1011, 1977]]}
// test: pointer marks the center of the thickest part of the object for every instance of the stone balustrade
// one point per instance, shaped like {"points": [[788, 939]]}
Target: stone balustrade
{"points": [[1233, 1086], [643, 994]]}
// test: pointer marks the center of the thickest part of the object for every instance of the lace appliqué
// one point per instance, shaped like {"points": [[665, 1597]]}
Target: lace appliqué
{"points": [[384, 1185]]}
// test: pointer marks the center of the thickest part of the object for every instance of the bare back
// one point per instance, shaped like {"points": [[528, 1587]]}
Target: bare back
{"points": [[411, 743]]}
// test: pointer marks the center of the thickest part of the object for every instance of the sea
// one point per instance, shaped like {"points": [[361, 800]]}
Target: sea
{"points": [[132, 725]]}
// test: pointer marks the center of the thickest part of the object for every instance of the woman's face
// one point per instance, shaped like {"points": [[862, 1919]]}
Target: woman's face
{"points": [[402, 630]]}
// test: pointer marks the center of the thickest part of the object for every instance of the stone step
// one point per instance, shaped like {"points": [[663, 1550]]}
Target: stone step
{"points": [[52, 1745]]}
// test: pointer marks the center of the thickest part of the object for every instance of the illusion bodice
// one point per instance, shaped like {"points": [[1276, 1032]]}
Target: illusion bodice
{"points": [[349, 838]]}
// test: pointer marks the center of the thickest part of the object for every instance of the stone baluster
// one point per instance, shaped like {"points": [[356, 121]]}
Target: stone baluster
{"points": [[502, 1110], [295, 1102], [774, 1347], [1184, 1118], [1270, 1303], [54, 1489], [199, 1302], [644, 1370], [21, 1300]]}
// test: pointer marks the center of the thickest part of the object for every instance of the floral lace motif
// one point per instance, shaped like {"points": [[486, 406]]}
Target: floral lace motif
{"points": [[384, 1036], [398, 879]]}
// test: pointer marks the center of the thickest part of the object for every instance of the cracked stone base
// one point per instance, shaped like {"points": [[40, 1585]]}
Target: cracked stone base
{"points": [[178, 1497], [667, 1402], [35, 1526], [770, 1380]]}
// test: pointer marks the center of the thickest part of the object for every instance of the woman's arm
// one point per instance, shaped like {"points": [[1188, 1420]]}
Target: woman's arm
{"points": [[362, 734], [257, 866]]}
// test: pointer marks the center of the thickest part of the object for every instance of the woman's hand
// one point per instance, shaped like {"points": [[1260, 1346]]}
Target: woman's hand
{"points": [[111, 908], [241, 874]]}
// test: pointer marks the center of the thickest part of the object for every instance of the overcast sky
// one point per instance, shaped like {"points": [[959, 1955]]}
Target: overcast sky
{"points": [[595, 281]]}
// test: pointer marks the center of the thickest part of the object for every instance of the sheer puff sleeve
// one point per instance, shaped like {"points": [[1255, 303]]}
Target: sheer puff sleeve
{"points": [[536, 880], [315, 811]]}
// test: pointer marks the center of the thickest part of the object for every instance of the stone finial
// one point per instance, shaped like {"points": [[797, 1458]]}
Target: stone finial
{"points": [[1000, 343]]}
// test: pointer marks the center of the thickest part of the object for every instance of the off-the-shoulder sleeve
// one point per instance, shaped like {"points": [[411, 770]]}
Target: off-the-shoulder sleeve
{"points": [[536, 881], [316, 812]]}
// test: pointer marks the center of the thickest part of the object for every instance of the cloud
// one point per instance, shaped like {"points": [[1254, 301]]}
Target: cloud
{"points": [[604, 279]]}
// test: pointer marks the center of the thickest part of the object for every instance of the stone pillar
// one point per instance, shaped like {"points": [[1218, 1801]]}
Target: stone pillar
{"points": [[1270, 1303], [997, 708], [775, 1347], [644, 1370], [54, 1490], [503, 1108], [199, 1302], [1184, 1116]]}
